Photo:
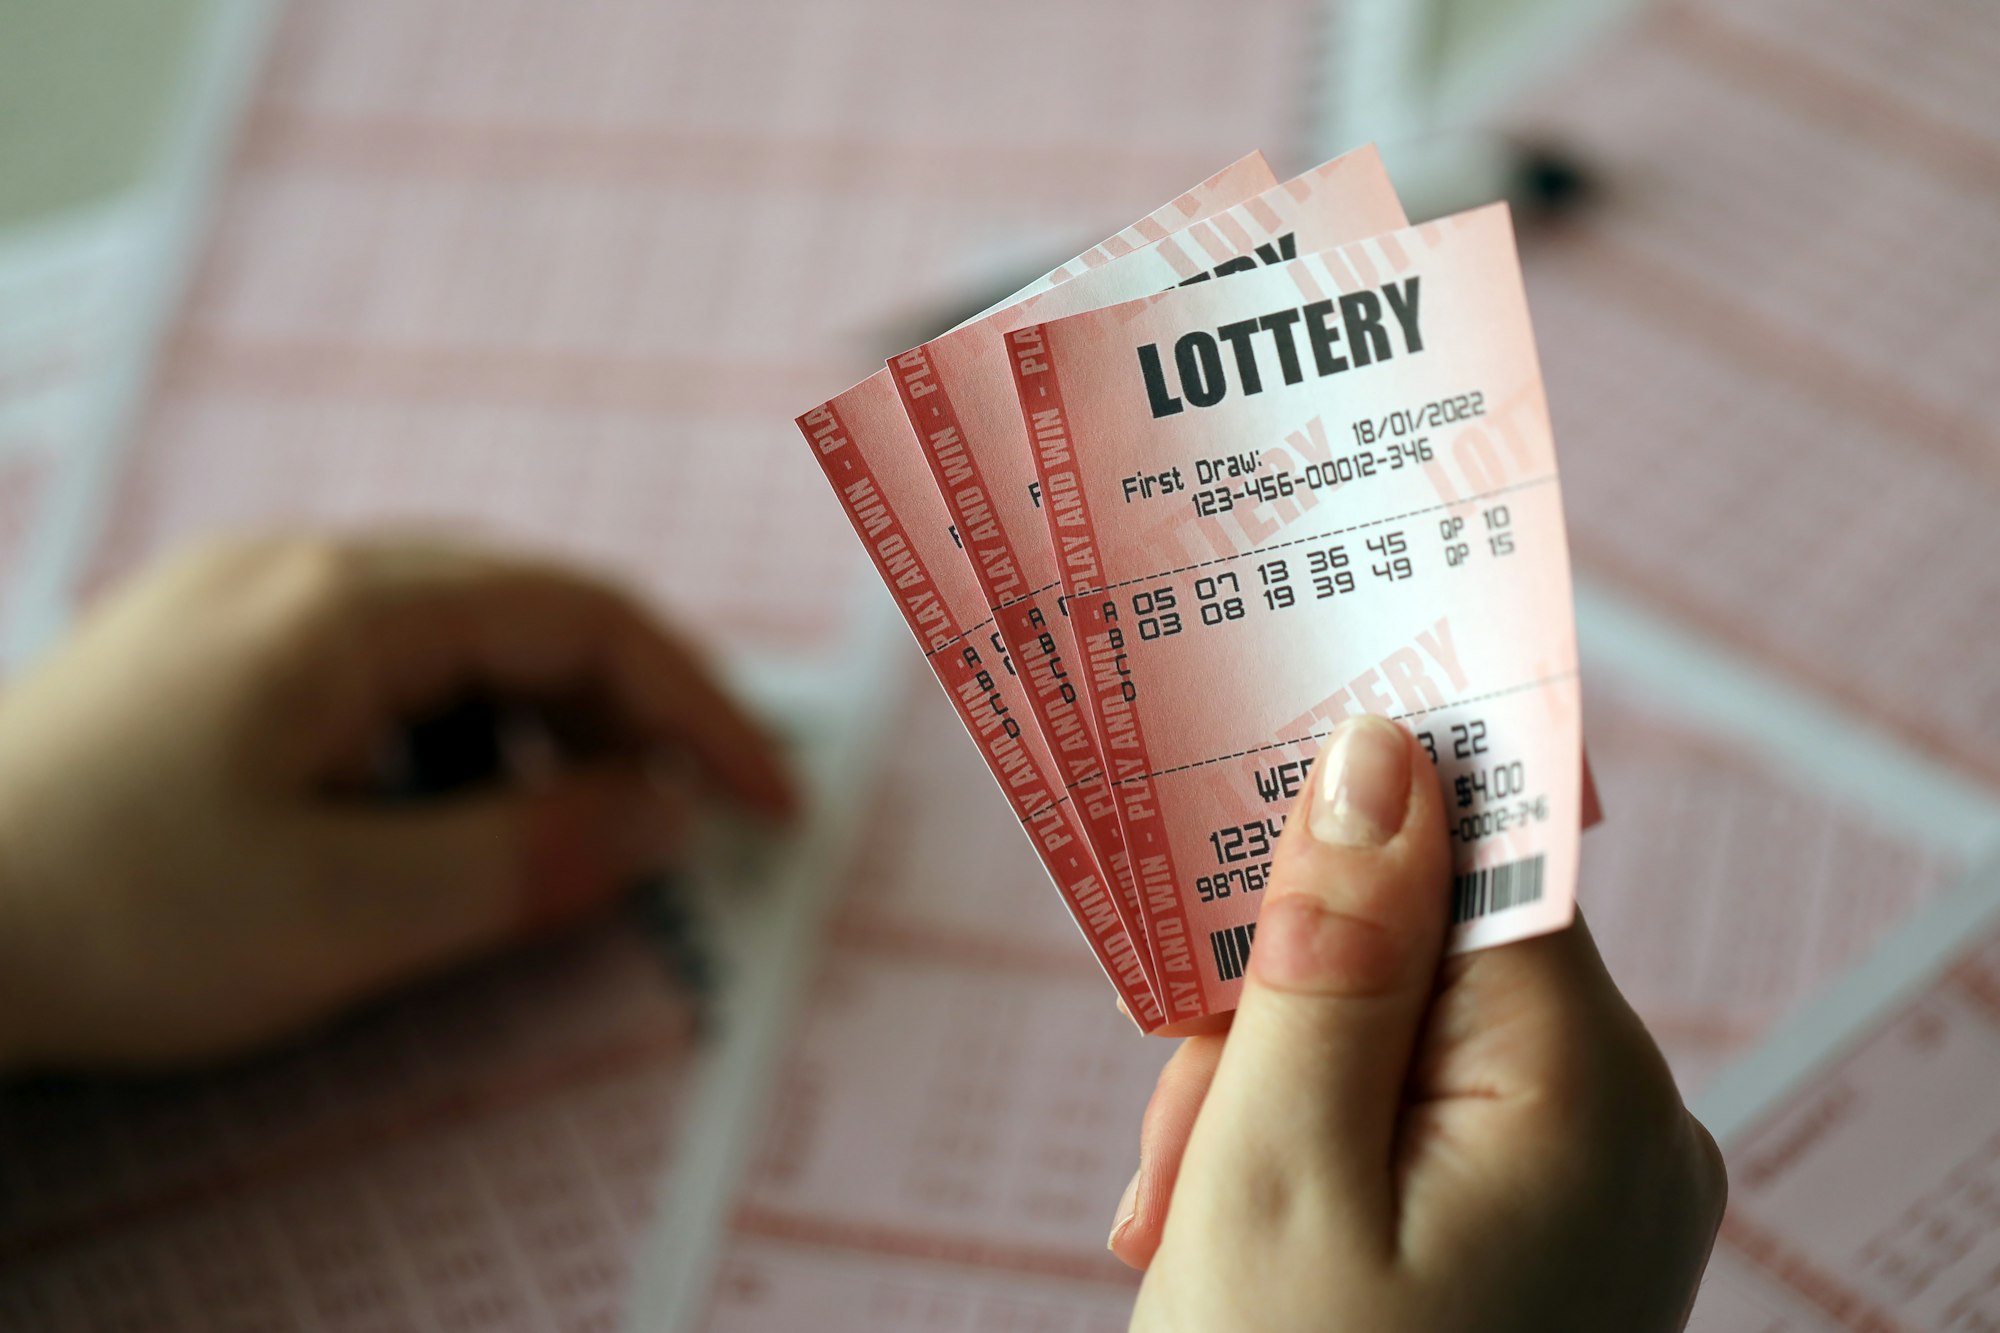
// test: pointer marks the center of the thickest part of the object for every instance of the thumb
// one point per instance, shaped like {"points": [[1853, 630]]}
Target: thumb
{"points": [[1310, 1083], [412, 888]]}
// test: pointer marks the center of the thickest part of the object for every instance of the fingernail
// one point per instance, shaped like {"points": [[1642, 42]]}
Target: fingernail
{"points": [[1364, 784], [1128, 1208]]}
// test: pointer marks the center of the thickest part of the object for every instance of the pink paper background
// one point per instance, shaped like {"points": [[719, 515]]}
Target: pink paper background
{"points": [[417, 301]]}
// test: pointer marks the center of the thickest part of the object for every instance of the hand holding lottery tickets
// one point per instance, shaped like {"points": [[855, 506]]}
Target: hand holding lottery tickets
{"points": [[196, 851], [1390, 1140]]}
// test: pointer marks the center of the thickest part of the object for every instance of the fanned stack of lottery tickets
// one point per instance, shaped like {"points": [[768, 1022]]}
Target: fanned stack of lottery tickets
{"points": [[1268, 458]]}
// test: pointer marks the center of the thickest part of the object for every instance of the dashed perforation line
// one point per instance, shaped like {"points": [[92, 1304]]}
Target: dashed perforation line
{"points": [[1056, 804], [1028, 596], [957, 638]]}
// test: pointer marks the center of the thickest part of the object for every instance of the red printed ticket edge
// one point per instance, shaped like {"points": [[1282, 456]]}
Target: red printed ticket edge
{"points": [[1357, 198], [897, 451], [976, 690], [1038, 390], [1243, 179], [1036, 640], [1112, 710]]}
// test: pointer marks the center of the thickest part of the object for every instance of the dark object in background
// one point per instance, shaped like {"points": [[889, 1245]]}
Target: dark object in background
{"points": [[453, 750], [473, 744], [1549, 182]]}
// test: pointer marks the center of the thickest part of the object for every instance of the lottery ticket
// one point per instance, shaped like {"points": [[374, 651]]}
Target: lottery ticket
{"points": [[866, 448], [1334, 478], [959, 395], [1864, 1145]]}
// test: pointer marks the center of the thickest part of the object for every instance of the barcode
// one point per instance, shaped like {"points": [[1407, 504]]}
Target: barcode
{"points": [[1232, 950], [1496, 888]]}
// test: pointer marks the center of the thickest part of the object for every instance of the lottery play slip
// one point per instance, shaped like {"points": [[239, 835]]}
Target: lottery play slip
{"points": [[1267, 459]]}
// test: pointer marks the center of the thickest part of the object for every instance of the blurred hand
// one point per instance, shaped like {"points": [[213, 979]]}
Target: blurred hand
{"points": [[194, 849], [1386, 1142]]}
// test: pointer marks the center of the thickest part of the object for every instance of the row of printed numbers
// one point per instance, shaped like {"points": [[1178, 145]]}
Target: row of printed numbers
{"points": [[1325, 572]]}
